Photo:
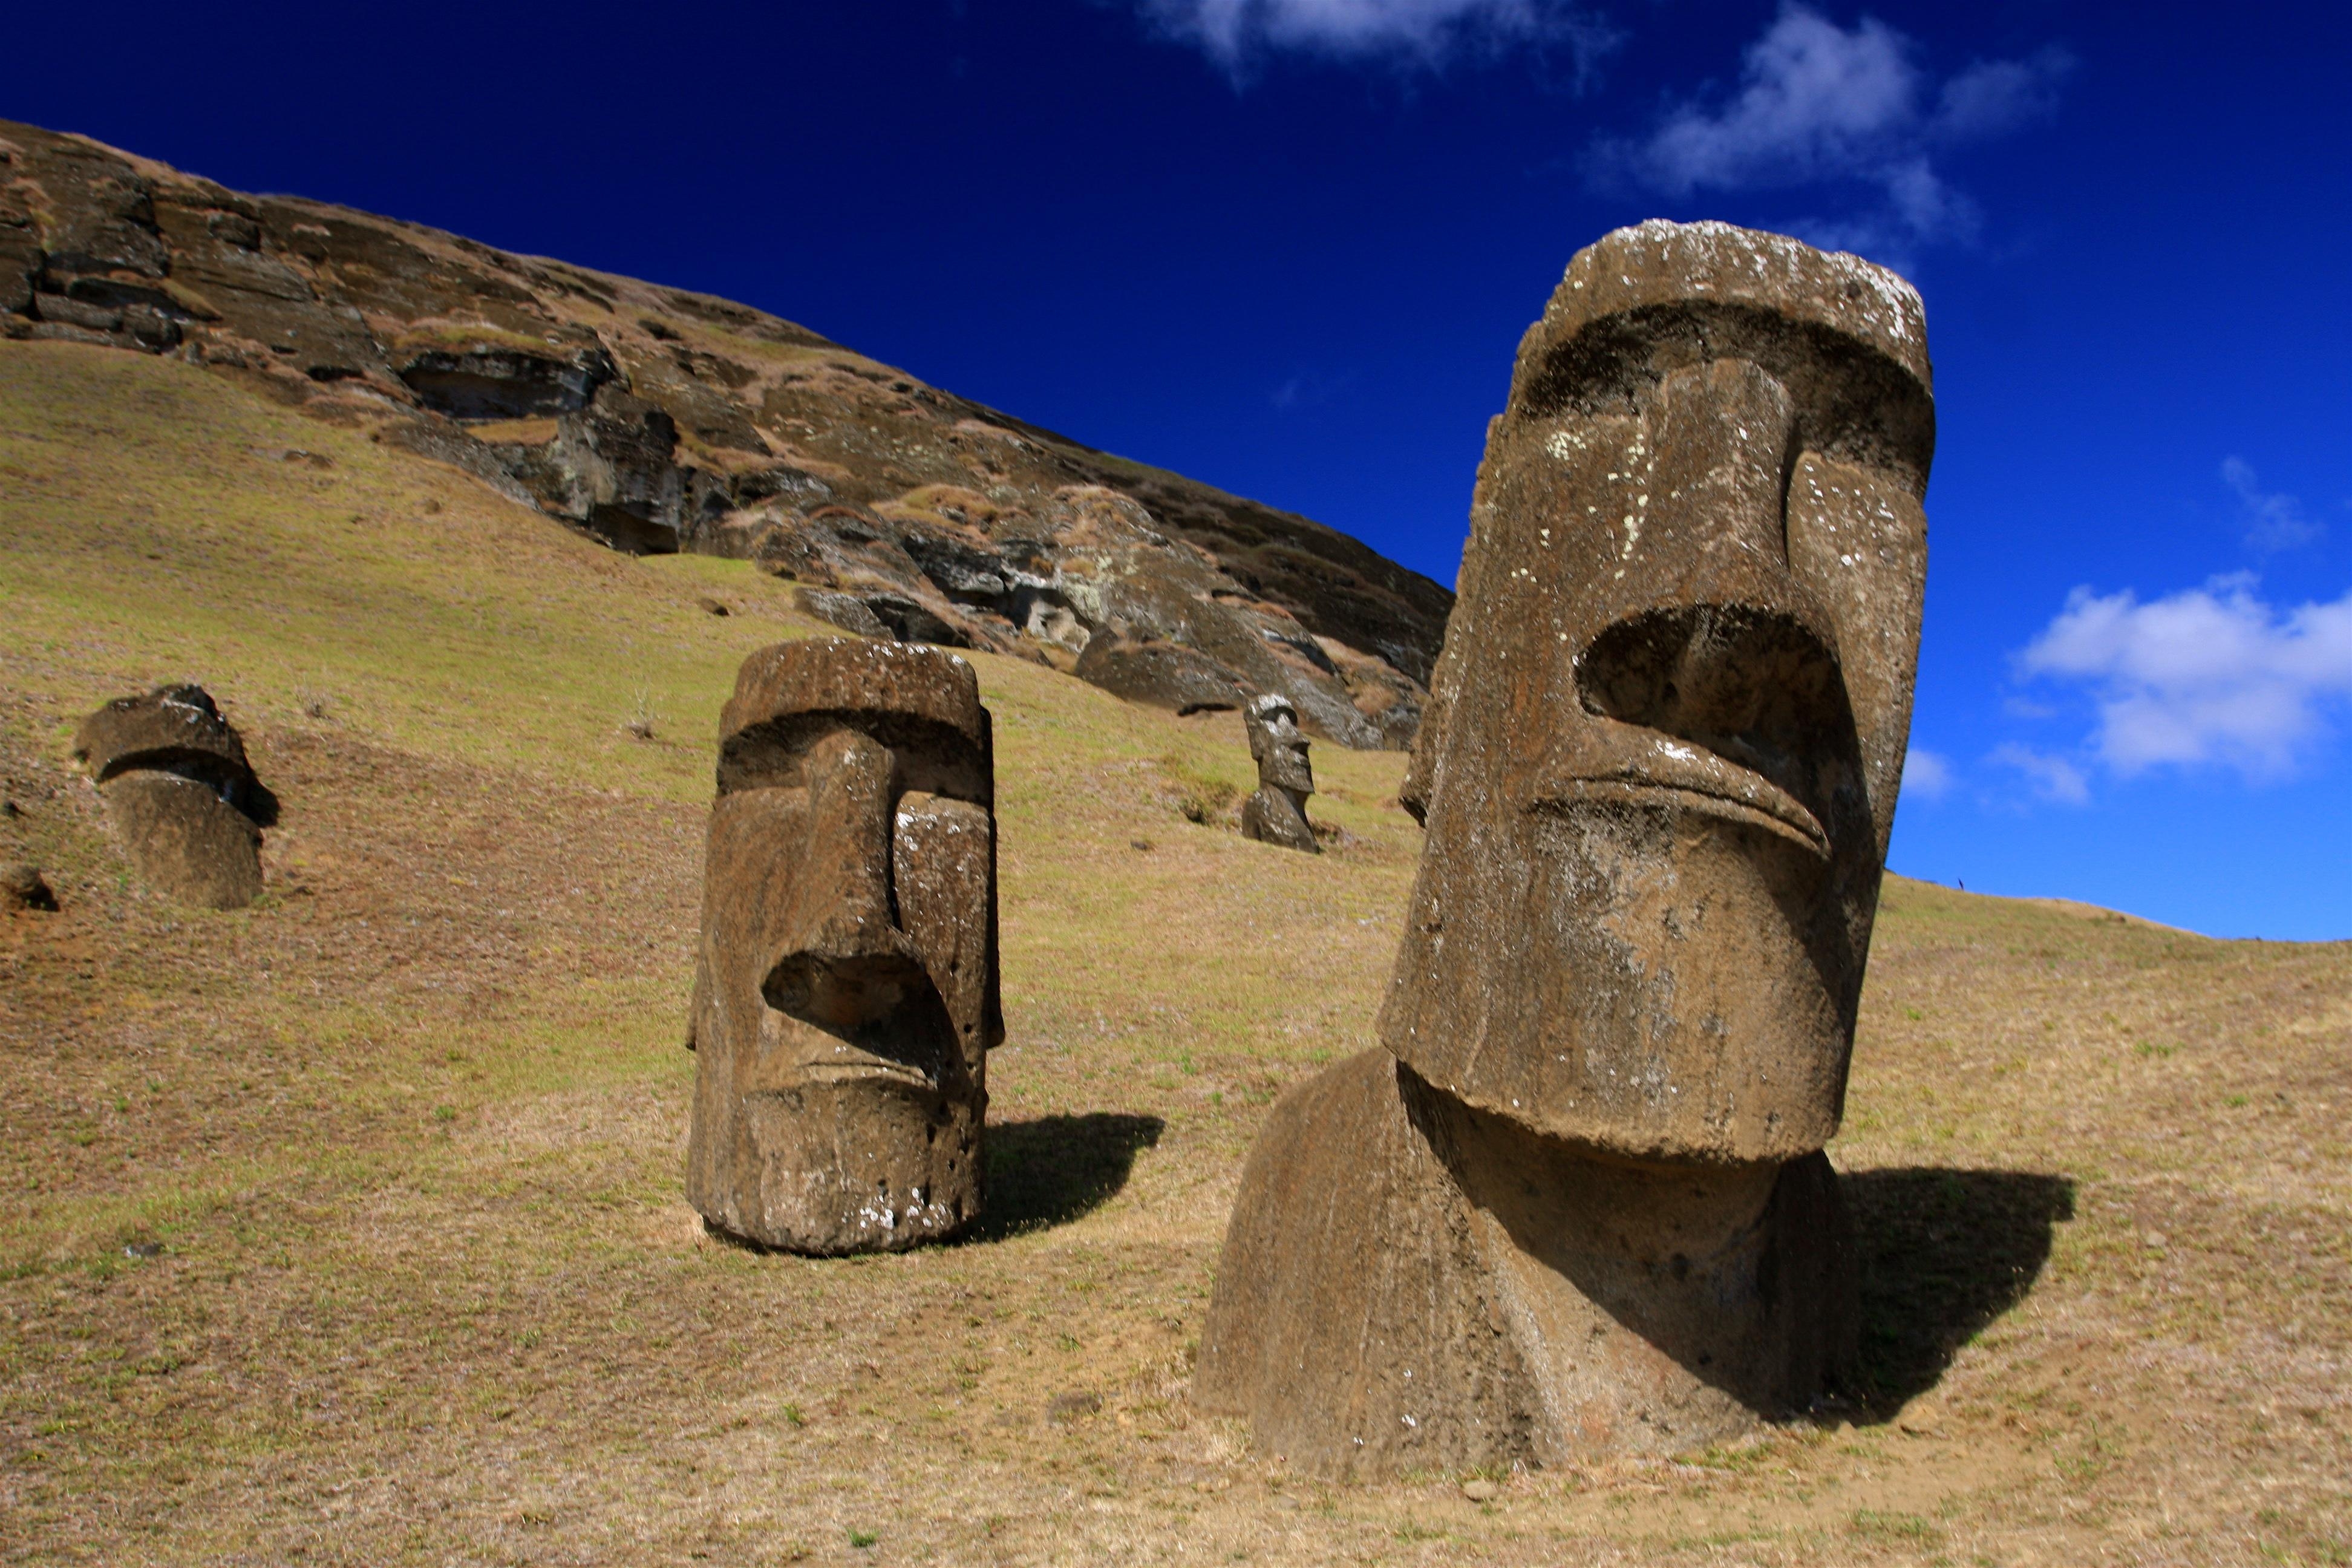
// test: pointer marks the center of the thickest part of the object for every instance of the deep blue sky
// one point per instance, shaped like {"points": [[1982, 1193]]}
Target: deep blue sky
{"points": [[1288, 246]]}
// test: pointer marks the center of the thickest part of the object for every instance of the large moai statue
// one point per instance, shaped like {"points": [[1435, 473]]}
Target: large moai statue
{"points": [[1578, 1206], [181, 794], [1277, 812], [846, 991]]}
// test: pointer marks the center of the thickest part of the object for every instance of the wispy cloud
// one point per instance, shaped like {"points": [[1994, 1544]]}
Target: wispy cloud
{"points": [[2275, 521], [1236, 34], [2210, 677], [2051, 778], [1927, 775], [1821, 105]]}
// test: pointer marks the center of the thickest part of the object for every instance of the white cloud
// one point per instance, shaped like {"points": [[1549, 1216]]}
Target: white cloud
{"points": [[1235, 33], [1820, 104], [2274, 519], [1927, 775], [1993, 96], [2213, 676], [2053, 778]]}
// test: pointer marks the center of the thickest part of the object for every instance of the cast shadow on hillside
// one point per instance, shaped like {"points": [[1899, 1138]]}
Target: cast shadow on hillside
{"points": [[1050, 1170], [1942, 1254]]}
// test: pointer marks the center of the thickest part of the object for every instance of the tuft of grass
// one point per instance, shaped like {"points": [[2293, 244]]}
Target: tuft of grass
{"points": [[1202, 796]]}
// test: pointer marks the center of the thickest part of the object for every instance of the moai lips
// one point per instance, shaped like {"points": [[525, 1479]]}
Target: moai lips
{"points": [[1277, 812], [1576, 1205], [845, 993], [181, 794]]}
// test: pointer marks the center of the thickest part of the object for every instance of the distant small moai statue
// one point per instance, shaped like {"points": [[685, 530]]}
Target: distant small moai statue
{"points": [[1276, 813], [845, 987], [181, 794], [1576, 1205]]}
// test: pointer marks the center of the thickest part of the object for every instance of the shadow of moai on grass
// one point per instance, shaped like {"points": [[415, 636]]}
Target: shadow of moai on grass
{"points": [[1943, 1253], [1051, 1170]]}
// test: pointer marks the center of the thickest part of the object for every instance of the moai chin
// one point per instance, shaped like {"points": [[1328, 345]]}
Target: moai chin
{"points": [[181, 794], [846, 990], [1578, 1206], [1276, 813]]}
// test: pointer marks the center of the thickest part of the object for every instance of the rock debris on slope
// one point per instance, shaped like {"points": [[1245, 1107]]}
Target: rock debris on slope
{"points": [[660, 420]]}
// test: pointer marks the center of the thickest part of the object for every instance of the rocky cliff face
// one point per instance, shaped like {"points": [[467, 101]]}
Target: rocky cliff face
{"points": [[660, 420]]}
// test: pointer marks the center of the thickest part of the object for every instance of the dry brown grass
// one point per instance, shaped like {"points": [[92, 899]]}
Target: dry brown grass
{"points": [[404, 1140]]}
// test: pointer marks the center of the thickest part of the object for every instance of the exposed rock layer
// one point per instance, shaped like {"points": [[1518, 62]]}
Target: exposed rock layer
{"points": [[660, 420]]}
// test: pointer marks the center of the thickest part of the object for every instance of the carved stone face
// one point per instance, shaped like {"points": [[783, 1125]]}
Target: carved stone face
{"points": [[182, 793], [1276, 745], [1670, 717], [847, 989]]}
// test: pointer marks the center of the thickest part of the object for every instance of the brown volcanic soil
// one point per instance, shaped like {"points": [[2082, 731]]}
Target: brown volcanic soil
{"points": [[347, 1228]]}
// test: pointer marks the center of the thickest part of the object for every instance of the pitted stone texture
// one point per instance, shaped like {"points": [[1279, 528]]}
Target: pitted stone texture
{"points": [[1582, 1198], [181, 792], [1670, 717], [1410, 1284], [845, 988], [1277, 812]]}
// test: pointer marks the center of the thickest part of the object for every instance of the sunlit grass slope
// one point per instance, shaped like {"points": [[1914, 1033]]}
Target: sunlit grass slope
{"points": [[396, 1152]]}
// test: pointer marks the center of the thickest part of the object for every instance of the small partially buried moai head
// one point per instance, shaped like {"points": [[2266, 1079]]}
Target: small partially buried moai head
{"points": [[1670, 718], [1277, 744], [181, 794], [846, 990]]}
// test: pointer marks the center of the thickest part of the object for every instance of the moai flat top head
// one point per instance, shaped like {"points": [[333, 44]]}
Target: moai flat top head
{"points": [[1667, 729], [846, 990], [171, 730], [1277, 744]]}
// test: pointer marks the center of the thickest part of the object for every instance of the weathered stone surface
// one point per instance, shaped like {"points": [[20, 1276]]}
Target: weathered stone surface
{"points": [[611, 469], [841, 610], [1411, 1284], [1585, 1201], [22, 888], [846, 989], [499, 380], [1277, 812], [181, 792], [1161, 674], [661, 420]]}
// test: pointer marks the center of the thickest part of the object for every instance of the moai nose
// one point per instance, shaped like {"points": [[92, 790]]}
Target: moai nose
{"points": [[842, 962], [1722, 646], [842, 908]]}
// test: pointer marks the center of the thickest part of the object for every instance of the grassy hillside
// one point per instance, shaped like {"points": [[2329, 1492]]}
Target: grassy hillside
{"points": [[395, 1155]]}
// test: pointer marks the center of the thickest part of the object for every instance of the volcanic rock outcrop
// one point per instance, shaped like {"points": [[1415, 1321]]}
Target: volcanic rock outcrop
{"points": [[181, 794], [660, 420], [845, 988], [1277, 812], [1576, 1205]]}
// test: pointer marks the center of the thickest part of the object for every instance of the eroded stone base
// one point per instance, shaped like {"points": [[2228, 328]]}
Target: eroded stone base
{"points": [[1411, 1284], [1271, 816], [188, 843]]}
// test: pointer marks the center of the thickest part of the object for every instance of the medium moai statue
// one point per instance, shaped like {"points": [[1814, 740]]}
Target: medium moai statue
{"points": [[1576, 1205], [1276, 813], [846, 989], [181, 794]]}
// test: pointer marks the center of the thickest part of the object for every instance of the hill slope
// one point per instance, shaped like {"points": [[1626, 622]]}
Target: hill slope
{"points": [[398, 1153], [660, 420]]}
